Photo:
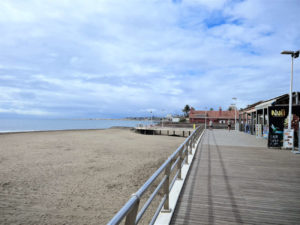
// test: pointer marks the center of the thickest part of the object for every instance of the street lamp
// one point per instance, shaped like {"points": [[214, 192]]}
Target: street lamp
{"points": [[293, 55], [205, 117], [234, 98], [162, 118]]}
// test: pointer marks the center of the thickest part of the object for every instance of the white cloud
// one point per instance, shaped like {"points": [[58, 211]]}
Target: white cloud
{"points": [[126, 56], [22, 111]]}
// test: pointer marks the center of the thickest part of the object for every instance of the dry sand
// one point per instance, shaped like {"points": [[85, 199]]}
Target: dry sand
{"points": [[75, 177]]}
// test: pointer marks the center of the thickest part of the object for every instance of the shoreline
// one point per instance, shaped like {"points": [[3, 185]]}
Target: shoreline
{"points": [[37, 131], [41, 125]]}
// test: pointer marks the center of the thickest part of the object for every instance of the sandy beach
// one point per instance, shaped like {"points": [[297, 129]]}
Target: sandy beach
{"points": [[75, 177]]}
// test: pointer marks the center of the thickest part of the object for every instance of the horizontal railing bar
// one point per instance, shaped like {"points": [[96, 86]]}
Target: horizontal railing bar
{"points": [[174, 164], [123, 211], [137, 196], [144, 188], [174, 179], [175, 156], [161, 204], [150, 199], [184, 151]]}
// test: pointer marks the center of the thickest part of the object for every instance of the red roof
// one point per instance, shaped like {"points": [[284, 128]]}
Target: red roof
{"points": [[213, 114]]}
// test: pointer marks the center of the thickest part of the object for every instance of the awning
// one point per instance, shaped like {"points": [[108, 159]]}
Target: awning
{"points": [[249, 111], [265, 105]]}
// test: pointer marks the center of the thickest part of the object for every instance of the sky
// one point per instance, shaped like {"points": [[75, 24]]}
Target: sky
{"points": [[116, 58]]}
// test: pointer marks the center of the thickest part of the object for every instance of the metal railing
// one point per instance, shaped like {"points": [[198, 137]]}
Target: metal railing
{"points": [[172, 165]]}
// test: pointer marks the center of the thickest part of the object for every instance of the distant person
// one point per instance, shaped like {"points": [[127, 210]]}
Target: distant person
{"points": [[229, 125], [210, 124]]}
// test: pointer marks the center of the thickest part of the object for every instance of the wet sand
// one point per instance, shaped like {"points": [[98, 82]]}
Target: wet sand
{"points": [[75, 177]]}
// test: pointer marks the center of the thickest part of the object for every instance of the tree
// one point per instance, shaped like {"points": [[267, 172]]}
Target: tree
{"points": [[186, 110], [231, 108], [211, 109]]}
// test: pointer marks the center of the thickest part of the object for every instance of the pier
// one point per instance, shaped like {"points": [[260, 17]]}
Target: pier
{"points": [[169, 131]]}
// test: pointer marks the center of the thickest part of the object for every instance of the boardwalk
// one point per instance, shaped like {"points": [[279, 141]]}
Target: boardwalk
{"points": [[169, 131], [236, 180]]}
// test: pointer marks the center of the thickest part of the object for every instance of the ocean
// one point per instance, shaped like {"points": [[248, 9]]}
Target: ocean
{"points": [[24, 125]]}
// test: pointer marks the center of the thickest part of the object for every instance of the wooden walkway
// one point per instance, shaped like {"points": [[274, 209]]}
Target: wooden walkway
{"points": [[235, 180], [169, 131]]}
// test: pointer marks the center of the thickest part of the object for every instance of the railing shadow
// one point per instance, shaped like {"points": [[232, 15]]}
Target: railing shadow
{"points": [[191, 188], [209, 185], [234, 206]]}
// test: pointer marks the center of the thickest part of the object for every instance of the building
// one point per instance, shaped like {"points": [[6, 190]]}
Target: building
{"points": [[220, 117], [261, 118]]}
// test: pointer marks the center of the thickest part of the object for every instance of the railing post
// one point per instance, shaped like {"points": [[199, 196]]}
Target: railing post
{"points": [[166, 188], [186, 154], [193, 141], [131, 216], [179, 163]]}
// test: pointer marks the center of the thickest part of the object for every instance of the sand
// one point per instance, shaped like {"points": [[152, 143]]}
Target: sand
{"points": [[75, 177]]}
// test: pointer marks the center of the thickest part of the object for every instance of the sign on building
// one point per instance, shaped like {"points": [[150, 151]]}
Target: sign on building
{"points": [[175, 120], [288, 138], [258, 130], [265, 131], [277, 115]]}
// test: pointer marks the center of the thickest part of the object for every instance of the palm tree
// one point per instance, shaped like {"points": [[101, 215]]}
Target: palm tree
{"points": [[186, 110]]}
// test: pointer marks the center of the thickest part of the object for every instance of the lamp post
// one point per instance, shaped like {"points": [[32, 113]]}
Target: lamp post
{"points": [[205, 118], [162, 118], [293, 55], [234, 98]]}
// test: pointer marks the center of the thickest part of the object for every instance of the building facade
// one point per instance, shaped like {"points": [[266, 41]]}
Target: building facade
{"points": [[219, 117], [264, 118]]}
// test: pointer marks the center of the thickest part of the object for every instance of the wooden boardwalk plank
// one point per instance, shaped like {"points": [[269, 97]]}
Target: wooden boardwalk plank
{"points": [[232, 182]]}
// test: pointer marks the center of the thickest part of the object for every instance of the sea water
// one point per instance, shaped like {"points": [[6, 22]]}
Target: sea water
{"points": [[21, 125]]}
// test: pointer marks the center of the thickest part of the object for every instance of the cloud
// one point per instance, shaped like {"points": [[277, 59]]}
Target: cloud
{"points": [[212, 4], [118, 58]]}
